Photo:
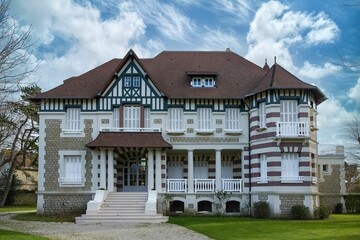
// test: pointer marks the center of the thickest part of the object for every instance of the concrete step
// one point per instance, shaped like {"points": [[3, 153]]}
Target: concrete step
{"points": [[93, 219]]}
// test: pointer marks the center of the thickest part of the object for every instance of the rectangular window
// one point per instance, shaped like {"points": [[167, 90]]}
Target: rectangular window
{"points": [[116, 118], [232, 119], [147, 118], [196, 82], [73, 119], [263, 166], [175, 169], [325, 168], [127, 81], [204, 118], [201, 169], [207, 82], [136, 81], [290, 166], [72, 169], [226, 169], [262, 115], [176, 118], [131, 117], [288, 111]]}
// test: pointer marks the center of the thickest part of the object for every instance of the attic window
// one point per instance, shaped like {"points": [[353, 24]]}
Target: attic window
{"points": [[203, 82]]}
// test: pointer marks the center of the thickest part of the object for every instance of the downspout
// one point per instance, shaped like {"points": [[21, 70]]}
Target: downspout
{"points": [[249, 150]]}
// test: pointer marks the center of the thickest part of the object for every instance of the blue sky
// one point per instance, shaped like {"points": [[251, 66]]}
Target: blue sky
{"points": [[308, 37]]}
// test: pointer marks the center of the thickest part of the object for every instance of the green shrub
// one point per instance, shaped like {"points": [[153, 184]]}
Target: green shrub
{"points": [[338, 208], [300, 212], [323, 211], [352, 203], [261, 209]]}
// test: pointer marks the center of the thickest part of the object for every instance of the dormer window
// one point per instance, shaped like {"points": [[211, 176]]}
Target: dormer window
{"points": [[206, 82], [132, 81]]}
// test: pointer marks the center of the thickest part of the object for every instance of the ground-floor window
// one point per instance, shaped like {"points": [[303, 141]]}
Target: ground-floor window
{"points": [[204, 206], [177, 206], [232, 207]]}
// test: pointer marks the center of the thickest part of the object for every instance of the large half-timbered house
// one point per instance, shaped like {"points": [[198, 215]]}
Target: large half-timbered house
{"points": [[184, 123]]}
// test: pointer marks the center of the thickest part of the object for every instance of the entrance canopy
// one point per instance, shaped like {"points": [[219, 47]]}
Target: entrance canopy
{"points": [[129, 139]]}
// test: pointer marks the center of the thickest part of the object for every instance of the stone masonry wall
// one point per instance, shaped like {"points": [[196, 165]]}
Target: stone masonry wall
{"points": [[287, 201], [64, 200], [65, 203], [330, 187]]}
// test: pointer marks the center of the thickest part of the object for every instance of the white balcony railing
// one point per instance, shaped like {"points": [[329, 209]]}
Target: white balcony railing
{"points": [[112, 129], [71, 181], [292, 129], [176, 185], [292, 178], [204, 185], [232, 185]]}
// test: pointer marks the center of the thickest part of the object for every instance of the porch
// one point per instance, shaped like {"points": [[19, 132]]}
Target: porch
{"points": [[204, 185]]}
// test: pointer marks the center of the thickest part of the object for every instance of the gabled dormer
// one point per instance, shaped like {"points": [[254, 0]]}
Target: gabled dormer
{"points": [[202, 79]]}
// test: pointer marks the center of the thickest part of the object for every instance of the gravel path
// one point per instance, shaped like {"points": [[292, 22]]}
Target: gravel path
{"points": [[161, 231]]}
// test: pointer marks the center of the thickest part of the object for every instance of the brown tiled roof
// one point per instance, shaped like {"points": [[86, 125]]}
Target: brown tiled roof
{"points": [[236, 76], [129, 139], [170, 71], [279, 78]]}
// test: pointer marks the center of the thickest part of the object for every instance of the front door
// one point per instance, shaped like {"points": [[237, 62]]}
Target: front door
{"points": [[135, 175]]}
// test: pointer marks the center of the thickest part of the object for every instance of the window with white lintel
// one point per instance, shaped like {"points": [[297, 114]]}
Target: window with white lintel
{"points": [[132, 117], [72, 168]]}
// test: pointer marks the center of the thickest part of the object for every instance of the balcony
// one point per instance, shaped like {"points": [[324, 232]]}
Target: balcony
{"points": [[204, 185], [292, 129]]}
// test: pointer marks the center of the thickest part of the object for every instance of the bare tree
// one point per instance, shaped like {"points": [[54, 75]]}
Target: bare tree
{"points": [[16, 62], [352, 133]]}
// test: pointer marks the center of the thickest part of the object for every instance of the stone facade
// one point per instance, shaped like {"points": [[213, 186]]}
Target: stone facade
{"points": [[287, 201], [66, 203]]}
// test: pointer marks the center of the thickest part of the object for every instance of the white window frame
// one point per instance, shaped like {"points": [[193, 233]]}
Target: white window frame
{"points": [[201, 169], [289, 111], [127, 81], [116, 117], [263, 169], [262, 115], [232, 120], [205, 125], [72, 125], [175, 120], [147, 118], [206, 82], [132, 117], [175, 169], [290, 167], [227, 169], [136, 81], [64, 179]]}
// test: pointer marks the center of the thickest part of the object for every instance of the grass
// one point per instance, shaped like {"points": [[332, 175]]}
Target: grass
{"points": [[16, 208], [45, 218], [338, 227], [12, 235]]}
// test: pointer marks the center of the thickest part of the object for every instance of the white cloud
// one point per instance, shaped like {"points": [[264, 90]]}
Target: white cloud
{"points": [[241, 8], [331, 119], [92, 41], [312, 71], [354, 92], [166, 18], [275, 29]]}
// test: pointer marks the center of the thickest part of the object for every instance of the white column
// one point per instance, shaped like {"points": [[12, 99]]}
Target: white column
{"points": [[110, 170], [218, 170], [190, 171], [150, 166], [158, 169], [102, 168]]}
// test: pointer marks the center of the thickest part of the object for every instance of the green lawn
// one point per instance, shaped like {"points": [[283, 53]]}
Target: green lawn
{"points": [[11, 235], [16, 208], [344, 227]]}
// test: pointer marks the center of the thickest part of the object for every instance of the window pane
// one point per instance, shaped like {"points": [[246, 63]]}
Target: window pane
{"points": [[136, 81], [175, 118], [289, 165], [72, 167], [73, 118], [204, 118], [131, 117], [232, 118], [288, 111], [127, 81], [262, 115]]}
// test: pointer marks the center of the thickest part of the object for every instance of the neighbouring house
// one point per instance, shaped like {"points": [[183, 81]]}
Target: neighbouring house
{"points": [[331, 172], [184, 123]]}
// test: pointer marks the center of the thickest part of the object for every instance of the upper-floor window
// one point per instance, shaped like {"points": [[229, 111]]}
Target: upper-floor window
{"points": [[116, 117], [290, 166], [232, 119], [147, 118], [73, 119], [262, 115], [175, 118], [132, 81], [288, 111], [204, 119], [132, 117], [203, 82]]}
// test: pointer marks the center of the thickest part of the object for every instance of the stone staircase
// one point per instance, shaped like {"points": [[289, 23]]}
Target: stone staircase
{"points": [[122, 207]]}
